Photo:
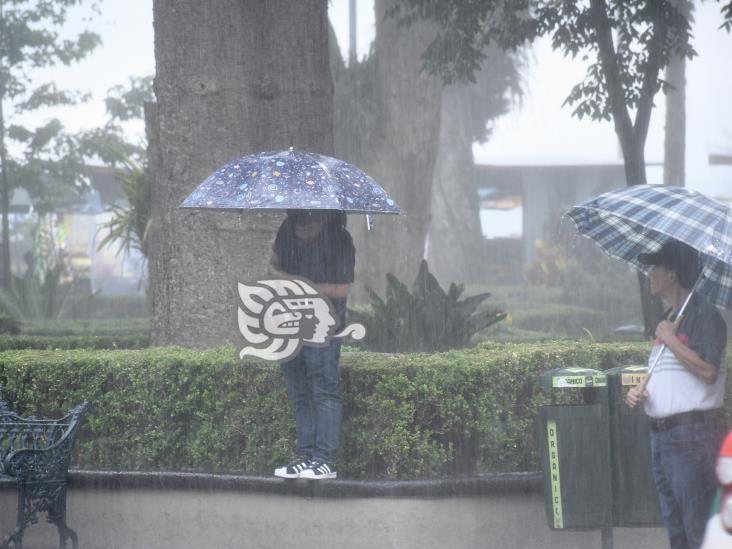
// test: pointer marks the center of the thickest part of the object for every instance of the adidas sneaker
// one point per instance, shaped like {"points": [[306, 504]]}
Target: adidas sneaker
{"points": [[318, 470], [293, 469]]}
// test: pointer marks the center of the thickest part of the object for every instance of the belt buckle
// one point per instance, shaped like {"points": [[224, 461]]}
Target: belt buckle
{"points": [[659, 424]]}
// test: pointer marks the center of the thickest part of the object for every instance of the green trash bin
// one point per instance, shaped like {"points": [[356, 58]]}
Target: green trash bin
{"points": [[574, 450], [635, 501]]}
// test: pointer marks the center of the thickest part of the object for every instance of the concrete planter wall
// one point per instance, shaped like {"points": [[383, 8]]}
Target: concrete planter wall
{"points": [[176, 511]]}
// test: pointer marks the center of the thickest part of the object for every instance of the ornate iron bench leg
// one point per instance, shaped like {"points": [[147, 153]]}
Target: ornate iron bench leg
{"points": [[25, 517], [57, 516]]}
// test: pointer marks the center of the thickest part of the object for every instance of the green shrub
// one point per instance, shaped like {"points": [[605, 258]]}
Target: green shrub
{"points": [[424, 320], [24, 341], [405, 416], [9, 325], [67, 327], [563, 320]]}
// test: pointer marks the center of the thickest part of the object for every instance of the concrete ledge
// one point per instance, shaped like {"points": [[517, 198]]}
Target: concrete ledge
{"points": [[132, 510], [509, 483]]}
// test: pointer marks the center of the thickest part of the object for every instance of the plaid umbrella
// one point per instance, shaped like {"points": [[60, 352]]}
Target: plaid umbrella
{"points": [[639, 219]]}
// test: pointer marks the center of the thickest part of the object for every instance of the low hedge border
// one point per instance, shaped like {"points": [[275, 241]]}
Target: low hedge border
{"points": [[460, 413], [65, 342]]}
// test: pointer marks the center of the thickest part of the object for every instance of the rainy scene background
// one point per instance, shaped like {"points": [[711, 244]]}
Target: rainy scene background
{"points": [[113, 295]]}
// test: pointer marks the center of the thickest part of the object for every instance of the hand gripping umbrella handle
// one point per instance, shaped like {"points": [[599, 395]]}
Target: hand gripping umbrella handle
{"points": [[663, 347]]}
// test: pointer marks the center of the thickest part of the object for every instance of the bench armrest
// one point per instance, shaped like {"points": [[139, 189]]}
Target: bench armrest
{"points": [[37, 465], [45, 464]]}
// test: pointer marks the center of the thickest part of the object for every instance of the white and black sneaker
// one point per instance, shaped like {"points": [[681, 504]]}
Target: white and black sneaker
{"points": [[294, 468], [318, 470]]}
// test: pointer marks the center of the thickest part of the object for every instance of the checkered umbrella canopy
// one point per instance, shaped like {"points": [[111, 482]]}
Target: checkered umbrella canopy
{"points": [[639, 219]]}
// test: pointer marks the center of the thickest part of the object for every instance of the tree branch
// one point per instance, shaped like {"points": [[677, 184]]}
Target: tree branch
{"points": [[651, 70], [611, 71]]}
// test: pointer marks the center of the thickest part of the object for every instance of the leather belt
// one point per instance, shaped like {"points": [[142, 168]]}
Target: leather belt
{"points": [[684, 418]]}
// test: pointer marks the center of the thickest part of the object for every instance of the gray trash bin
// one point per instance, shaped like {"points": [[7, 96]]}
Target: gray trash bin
{"points": [[635, 501], [574, 450]]}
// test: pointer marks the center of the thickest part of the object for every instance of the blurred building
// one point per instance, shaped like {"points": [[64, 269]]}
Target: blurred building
{"points": [[78, 227]]}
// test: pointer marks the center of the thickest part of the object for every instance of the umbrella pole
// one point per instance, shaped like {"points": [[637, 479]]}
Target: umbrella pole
{"points": [[663, 347]]}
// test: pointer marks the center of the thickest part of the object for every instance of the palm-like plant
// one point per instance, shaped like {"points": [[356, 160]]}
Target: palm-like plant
{"points": [[426, 319], [131, 220]]}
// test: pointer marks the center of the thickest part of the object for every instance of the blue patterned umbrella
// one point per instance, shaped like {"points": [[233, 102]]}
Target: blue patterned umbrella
{"points": [[292, 179], [639, 219]]}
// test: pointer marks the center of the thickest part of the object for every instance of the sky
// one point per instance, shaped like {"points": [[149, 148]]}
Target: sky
{"points": [[538, 131]]}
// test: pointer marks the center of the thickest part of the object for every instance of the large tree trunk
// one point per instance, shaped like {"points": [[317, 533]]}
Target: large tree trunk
{"points": [[233, 77], [403, 154], [456, 251]]}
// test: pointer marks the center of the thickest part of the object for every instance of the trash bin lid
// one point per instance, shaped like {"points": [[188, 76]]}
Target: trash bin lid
{"points": [[630, 375], [562, 378]]}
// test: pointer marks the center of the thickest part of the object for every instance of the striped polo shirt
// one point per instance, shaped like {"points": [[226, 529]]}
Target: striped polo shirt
{"points": [[672, 388]]}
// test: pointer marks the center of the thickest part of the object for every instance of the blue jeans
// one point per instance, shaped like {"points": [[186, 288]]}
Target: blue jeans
{"points": [[312, 379], [684, 459]]}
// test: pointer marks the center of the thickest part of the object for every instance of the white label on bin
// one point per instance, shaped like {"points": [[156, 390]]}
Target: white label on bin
{"points": [[556, 486], [569, 381]]}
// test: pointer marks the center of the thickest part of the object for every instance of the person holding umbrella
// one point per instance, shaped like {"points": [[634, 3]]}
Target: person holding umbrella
{"points": [[314, 244], [684, 395], [682, 240], [317, 192]]}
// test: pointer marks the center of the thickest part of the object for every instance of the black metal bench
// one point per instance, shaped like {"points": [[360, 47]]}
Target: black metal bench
{"points": [[34, 457]]}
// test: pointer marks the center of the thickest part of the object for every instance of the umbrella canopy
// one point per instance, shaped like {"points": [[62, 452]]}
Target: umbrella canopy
{"points": [[292, 179], [639, 219]]}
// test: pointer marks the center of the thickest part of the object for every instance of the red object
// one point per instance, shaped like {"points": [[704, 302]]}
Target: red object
{"points": [[724, 475]]}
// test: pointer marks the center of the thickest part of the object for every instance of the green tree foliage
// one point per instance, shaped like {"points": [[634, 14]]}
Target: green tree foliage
{"points": [[426, 319], [31, 39], [130, 222], [123, 104], [626, 44]]}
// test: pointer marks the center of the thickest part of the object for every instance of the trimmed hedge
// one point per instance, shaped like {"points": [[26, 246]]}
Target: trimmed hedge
{"points": [[66, 327], [65, 342], [405, 416]]}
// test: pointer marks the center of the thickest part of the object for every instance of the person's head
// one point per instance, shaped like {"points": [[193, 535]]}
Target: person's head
{"points": [[675, 263], [308, 224]]}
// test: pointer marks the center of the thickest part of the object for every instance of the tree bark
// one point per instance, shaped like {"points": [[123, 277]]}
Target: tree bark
{"points": [[632, 135], [234, 77], [403, 154], [674, 150], [6, 273], [456, 251]]}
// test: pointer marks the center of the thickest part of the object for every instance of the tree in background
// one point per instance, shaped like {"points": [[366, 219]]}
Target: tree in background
{"points": [[110, 143], [456, 247], [131, 219], [415, 139], [32, 158], [627, 44], [674, 147]]}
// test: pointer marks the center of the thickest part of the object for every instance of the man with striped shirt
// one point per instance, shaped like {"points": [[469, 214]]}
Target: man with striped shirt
{"points": [[684, 395]]}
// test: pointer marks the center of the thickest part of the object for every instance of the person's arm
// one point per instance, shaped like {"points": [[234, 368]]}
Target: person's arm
{"points": [[635, 396], [333, 291], [690, 359]]}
